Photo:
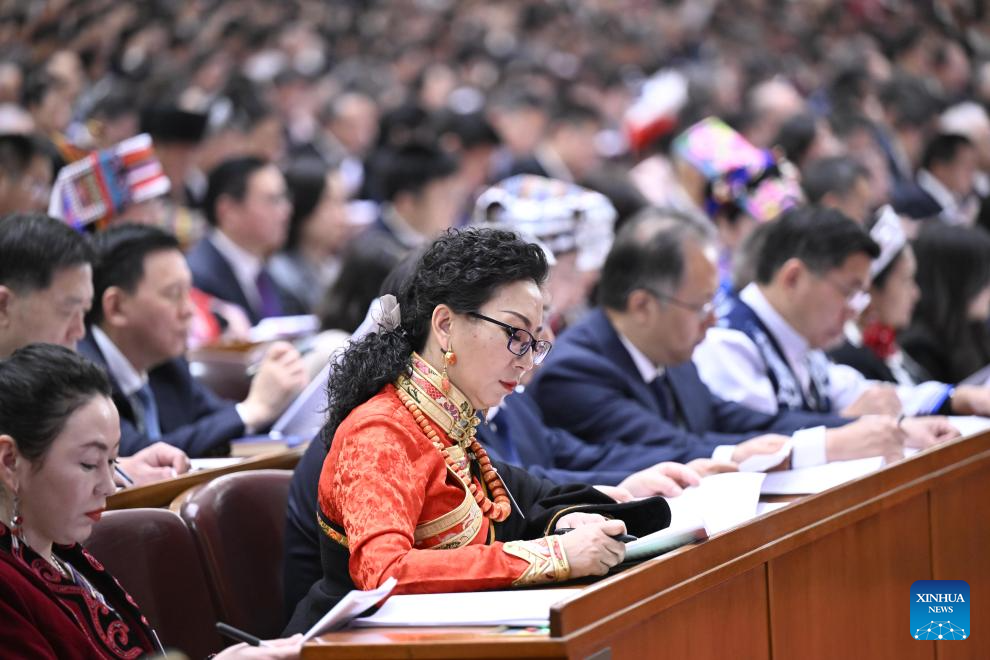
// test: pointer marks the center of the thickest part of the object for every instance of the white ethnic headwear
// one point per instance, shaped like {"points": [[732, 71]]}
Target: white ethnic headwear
{"points": [[889, 235]]}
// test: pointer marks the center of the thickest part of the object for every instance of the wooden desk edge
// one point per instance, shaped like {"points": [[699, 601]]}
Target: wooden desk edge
{"points": [[161, 493]]}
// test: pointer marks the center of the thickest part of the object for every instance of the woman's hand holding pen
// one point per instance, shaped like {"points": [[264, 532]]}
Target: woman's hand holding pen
{"points": [[590, 548]]}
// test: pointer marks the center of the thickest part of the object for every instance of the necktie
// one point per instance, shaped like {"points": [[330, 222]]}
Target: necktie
{"points": [[818, 386], [149, 412], [665, 397], [270, 303]]}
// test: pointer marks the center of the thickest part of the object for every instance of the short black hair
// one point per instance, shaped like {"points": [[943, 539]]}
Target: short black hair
{"points": [[648, 253], [34, 246], [121, 252], [17, 152], [820, 237], [944, 148], [796, 135], [572, 113], [471, 129], [909, 101], [412, 167], [835, 174], [41, 385], [230, 178]]}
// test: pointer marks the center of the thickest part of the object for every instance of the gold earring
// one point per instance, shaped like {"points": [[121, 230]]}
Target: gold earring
{"points": [[449, 360]]}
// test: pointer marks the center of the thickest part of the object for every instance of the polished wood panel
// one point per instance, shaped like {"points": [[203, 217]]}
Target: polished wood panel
{"points": [[432, 643], [960, 543], [848, 594], [161, 493], [716, 623]]}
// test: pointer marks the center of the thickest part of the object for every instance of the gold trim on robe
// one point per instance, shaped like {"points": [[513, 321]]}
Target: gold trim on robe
{"points": [[454, 529], [546, 557]]}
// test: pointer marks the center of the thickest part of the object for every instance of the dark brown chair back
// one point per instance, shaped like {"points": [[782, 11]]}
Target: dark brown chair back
{"points": [[154, 557], [238, 521]]}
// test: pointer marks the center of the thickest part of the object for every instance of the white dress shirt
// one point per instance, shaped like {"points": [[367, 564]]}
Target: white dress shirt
{"points": [[731, 365], [129, 379]]}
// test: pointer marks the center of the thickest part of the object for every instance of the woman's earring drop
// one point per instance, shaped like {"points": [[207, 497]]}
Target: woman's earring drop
{"points": [[449, 360]]}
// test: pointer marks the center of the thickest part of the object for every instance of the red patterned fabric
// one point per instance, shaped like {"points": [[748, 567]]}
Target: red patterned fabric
{"points": [[383, 478], [46, 615], [881, 339]]}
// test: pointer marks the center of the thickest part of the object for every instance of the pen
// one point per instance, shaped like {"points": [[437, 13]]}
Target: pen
{"points": [[239, 635], [624, 538], [123, 475]]}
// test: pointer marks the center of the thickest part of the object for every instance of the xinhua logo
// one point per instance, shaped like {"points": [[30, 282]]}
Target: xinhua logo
{"points": [[940, 609]]}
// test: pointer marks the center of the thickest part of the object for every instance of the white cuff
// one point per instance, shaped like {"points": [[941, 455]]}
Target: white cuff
{"points": [[723, 453], [809, 447], [240, 413]]}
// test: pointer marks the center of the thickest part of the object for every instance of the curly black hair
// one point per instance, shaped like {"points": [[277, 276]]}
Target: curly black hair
{"points": [[463, 269]]}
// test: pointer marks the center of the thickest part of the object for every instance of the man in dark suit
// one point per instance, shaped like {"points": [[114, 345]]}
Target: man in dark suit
{"points": [[624, 373], [568, 152], [248, 205], [137, 329], [422, 198], [944, 186], [46, 286]]}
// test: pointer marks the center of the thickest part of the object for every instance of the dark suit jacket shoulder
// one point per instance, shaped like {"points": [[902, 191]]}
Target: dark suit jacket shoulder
{"points": [[590, 386], [191, 417], [554, 453], [212, 274]]}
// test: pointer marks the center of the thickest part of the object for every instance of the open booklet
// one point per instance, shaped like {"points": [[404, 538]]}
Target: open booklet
{"points": [[350, 606]]}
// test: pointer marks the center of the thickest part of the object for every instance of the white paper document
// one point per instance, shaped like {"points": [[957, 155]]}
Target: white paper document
{"points": [[523, 607], [970, 425], [764, 462], [729, 499], [213, 463], [686, 526], [804, 481], [351, 605]]}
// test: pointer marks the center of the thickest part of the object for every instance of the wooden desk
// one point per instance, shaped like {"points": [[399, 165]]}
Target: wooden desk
{"points": [[827, 577], [161, 493]]}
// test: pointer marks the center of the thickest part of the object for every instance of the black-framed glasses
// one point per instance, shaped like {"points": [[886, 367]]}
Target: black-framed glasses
{"points": [[520, 340], [702, 311]]}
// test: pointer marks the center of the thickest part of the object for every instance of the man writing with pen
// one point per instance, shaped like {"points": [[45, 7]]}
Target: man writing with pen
{"points": [[137, 329]]}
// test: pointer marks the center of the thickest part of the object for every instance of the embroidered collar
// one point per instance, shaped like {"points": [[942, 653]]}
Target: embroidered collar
{"points": [[452, 412]]}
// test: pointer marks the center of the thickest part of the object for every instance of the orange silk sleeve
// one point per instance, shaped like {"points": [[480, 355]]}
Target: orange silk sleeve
{"points": [[381, 479]]}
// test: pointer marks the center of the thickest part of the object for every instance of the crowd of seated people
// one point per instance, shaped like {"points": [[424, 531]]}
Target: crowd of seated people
{"points": [[543, 252]]}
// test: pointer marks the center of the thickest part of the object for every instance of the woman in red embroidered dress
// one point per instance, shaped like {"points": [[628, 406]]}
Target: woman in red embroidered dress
{"points": [[59, 433], [405, 490]]}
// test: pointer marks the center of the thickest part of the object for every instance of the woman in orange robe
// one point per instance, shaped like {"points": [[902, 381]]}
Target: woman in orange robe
{"points": [[406, 491]]}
